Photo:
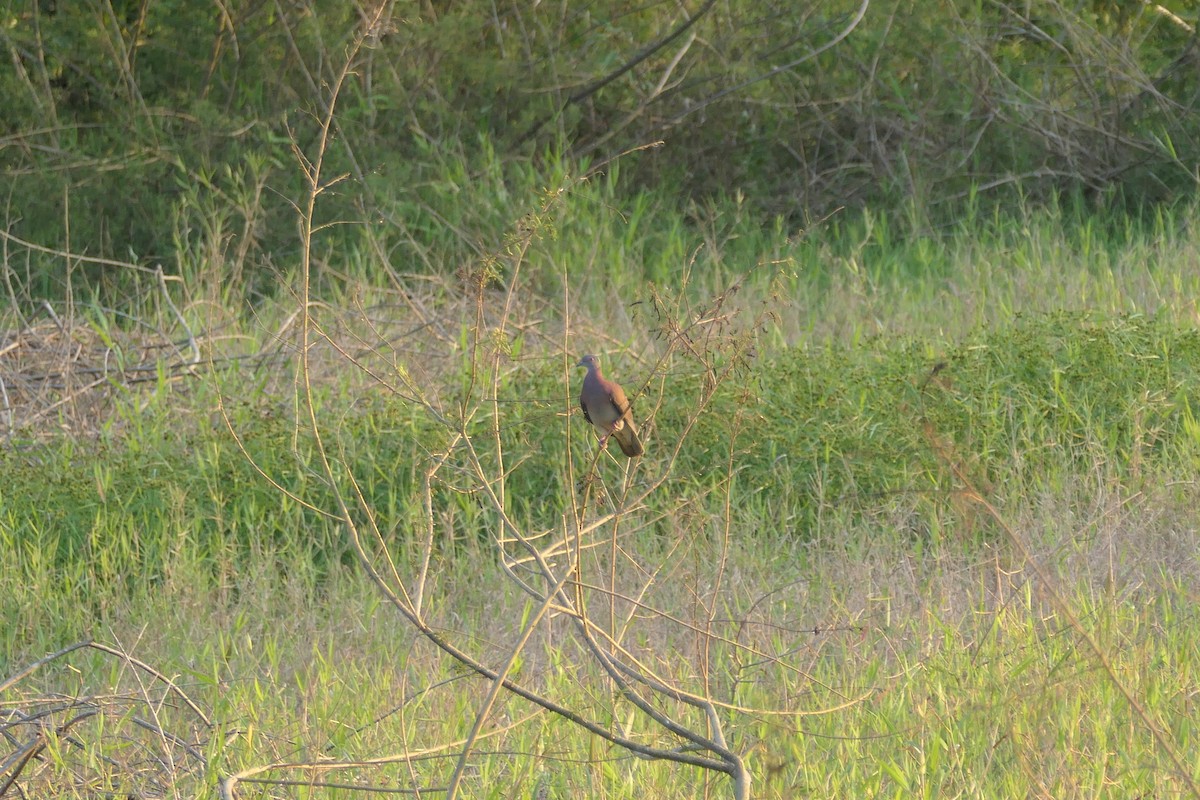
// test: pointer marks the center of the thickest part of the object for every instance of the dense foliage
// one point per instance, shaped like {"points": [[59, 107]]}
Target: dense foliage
{"points": [[164, 130]]}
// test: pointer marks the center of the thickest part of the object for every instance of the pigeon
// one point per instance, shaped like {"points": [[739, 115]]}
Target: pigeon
{"points": [[605, 406]]}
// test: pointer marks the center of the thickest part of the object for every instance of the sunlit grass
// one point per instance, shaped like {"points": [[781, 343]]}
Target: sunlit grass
{"points": [[1051, 359]]}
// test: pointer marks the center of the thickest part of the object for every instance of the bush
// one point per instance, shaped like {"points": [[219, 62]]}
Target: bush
{"points": [[143, 131]]}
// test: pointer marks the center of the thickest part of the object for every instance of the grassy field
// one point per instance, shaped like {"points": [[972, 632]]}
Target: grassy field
{"points": [[918, 514]]}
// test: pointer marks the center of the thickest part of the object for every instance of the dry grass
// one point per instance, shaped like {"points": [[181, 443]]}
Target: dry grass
{"points": [[141, 736], [62, 375]]}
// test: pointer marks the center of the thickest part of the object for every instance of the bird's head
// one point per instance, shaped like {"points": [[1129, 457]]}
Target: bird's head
{"points": [[591, 362]]}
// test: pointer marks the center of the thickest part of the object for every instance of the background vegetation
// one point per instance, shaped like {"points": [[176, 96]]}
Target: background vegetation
{"points": [[149, 131], [936, 520]]}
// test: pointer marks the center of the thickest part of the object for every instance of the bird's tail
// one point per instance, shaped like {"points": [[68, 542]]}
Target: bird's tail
{"points": [[627, 437]]}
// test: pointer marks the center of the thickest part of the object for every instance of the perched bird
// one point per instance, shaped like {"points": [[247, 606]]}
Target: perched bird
{"points": [[605, 406]]}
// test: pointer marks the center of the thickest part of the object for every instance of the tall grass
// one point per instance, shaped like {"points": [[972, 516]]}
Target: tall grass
{"points": [[896, 638]]}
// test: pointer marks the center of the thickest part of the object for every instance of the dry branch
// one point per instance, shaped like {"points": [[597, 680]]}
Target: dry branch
{"points": [[92, 731]]}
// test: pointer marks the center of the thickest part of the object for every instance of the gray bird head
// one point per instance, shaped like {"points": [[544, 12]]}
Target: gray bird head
{"points": [[591, 362]]}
